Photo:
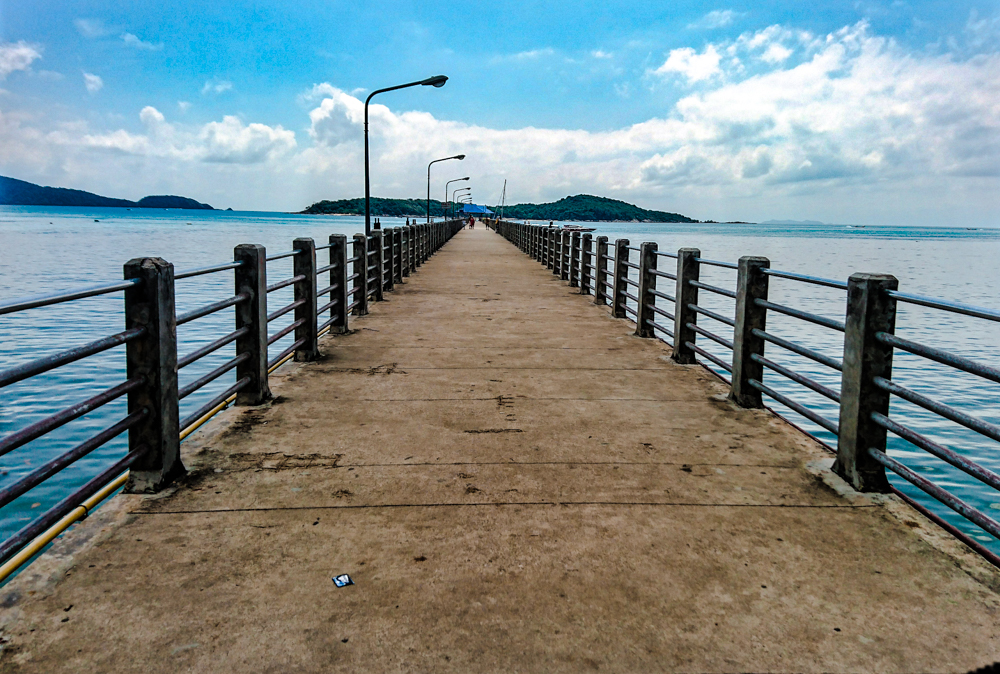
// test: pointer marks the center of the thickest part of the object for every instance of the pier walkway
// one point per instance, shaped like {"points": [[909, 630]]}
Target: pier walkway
{"points": [[514, 482]]}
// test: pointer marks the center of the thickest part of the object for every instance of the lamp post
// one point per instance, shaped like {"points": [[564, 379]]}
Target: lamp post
{"points": [[456, 180], [460, 189], [436, 81], [457, 156]]}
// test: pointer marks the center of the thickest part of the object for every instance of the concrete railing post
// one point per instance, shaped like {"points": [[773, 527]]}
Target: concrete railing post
{"points": [[564, 255], [360, 273], [647, 282], [751, 285], [388, 239], [421, 236], [304, 264], [586, 263], [870, 311], [600, 272], [153, 357], [379, 249], [686, 295], [552, 264], [574, 260], [338, 277], [411, 248], [556, 251], [621, 273], [251, 279], [397, 253]]}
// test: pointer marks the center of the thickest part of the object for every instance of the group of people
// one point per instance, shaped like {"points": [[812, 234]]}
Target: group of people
{"points": [[471, 224]]}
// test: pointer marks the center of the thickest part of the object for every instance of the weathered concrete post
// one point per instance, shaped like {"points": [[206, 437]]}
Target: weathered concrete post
{"points": [[153, 357], [647, 282], [600, 271], [870, 311], [586, 263], [304, 264], [574, 260], [378, 247], [564, 255], [751, 285], [397, 248], [552, 251], [338, 277], [687, 270], [621, 273], [388, 237], [421, 239], [251, 278], [557, 254], [360, 274], [411, 247]]}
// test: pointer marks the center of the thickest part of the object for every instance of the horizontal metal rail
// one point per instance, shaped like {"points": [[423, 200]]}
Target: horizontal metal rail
{"points": [[211, 376], [284, 331], [802, 315], [661, 295], [671, 255], [54, 421], [663, 274], [661, 328], [630, 282], [353, 276], [212, 404], [47, 470], [608, 258], [943, 357], [78, 294], [212, 308], [796, 377], [352, 260], [972, 468], [801, 350], [188, 273], [329, 267], [635, 248], [661, 312], [281, 256], [791, 404], [712, 289], [352, 306], [298, 343], [212, 346], [328, 305], [973, 423], [712, 357], [609, 286], [944, 305], [71, 502], [278, 313], [716, 263], [46, 363], [629, 295], [815, 280], [630, 311], [631, 265], [958, 505], [711, 314], [711, 335], [287, 282], [328, 323], [329, 245]]}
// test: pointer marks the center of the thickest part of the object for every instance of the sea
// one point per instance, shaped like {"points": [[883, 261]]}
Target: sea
{"points": [[46, 250]]}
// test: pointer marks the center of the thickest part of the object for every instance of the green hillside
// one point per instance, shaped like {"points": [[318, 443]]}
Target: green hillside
{"points": [[588, 208], [389, 208]]}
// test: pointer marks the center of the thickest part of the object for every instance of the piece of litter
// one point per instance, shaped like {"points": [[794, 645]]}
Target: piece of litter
{"points": [[342, 580]]}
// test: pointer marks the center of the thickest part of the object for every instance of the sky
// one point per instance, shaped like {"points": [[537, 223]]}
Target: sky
{"points": [[866, 112]]}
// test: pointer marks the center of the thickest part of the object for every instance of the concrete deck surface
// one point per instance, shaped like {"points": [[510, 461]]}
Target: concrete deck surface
{"points": [[515, 483]]}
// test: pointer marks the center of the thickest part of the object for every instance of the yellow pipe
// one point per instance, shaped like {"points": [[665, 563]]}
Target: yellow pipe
{"points": [[82, 510]]}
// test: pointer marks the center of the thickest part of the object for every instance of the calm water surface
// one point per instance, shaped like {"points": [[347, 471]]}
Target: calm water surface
{"points": [[45, 250]]}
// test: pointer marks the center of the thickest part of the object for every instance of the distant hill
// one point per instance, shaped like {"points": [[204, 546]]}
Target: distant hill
{"points": [[582, 207], [389, 208], [792, 222], [15, 192], [588, 208]]}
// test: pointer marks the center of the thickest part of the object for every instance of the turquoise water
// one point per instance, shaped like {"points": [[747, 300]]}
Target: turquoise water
{"points": [[52, 249]]}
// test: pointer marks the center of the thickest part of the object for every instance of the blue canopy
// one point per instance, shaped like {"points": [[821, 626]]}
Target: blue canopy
{"points": [[472, 209]]}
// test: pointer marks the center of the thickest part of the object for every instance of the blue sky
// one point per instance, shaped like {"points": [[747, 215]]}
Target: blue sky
{"points": [[865, 112]]}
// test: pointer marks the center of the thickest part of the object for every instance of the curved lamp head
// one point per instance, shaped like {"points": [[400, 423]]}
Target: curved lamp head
{"points": [[465, 178], [458, 156], [436, 81]]}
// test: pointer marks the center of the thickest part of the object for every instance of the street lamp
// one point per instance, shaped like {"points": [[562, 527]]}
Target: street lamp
{"points": [[457, 156], [460, 189], [436, 81], [456, 180]]}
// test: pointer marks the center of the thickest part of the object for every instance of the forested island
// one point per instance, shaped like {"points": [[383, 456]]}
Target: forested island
{"points": [[14, 192], [580, 208]]}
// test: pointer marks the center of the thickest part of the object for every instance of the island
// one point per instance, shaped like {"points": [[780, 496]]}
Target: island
{"points": [[14, 192]]}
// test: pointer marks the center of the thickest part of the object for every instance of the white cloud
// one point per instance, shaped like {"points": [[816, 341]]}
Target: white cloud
{"points": [[215, 86], [183, 106], [17, 56], [776, 53], [524, 56], [92, 82], [133, 41], [92, 28], [599, 54], [689, 63], [718, 18]]}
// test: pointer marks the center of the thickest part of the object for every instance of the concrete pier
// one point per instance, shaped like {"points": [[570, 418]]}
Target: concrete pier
{"points": [[514, 482]]}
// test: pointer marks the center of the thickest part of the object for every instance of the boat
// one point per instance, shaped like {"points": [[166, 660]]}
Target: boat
{"points": [[577, 228]]}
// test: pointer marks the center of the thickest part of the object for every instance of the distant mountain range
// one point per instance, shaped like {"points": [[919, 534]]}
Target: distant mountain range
{"points": [[582, 207], [15, 192], [793, 222]]}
